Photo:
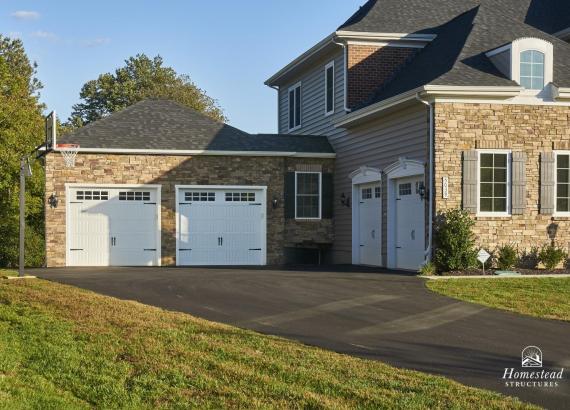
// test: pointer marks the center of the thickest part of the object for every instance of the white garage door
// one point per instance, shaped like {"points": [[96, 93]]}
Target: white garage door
{"points": [[112, 226], [221, 226]]}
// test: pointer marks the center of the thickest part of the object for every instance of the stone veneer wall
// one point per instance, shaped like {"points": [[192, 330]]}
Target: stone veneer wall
{"points": [[532, 129], [181, 170]]}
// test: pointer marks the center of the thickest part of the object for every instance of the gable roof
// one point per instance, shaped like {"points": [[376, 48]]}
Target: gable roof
{"points": [[165, 125], [457, 55]]}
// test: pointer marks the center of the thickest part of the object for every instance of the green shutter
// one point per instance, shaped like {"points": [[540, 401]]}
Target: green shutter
{"points": [[547, 183], [518, 194], [470, 169], [289, 191], [327, 197]]}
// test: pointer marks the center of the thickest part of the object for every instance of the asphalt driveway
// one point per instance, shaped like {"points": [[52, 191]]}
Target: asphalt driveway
{"points": [[376, 315]]}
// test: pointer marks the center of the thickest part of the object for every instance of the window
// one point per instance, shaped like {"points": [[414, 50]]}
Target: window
{"points": [[295, 106], [405, 189], [92, 195], [532, 70], [493, 182], [562, 183], [329, 88], [377, 192], [240, 196], [308, 195], [134, 196], [367, 193], [200, 196]]}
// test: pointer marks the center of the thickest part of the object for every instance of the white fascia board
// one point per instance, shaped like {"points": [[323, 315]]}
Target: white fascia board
{"points": [[473, 91], [498, 50], [563, 34], [360, 35], [204, 152], [563, 93]]}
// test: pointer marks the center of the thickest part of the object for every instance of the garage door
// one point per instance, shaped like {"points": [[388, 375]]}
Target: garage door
{"points": [[112, 227], [221, 226]]}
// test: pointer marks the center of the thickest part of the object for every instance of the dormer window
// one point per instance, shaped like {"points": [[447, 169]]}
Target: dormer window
{"points": [[532, 70]]}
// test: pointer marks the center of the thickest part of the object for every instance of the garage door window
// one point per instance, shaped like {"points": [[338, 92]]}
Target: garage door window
{"points": [[134, 196], [240, 196], [200, 196], [92, 195], [308, 195]]}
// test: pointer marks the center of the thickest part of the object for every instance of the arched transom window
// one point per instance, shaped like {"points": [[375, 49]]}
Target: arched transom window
{"points": [[532, 70]]}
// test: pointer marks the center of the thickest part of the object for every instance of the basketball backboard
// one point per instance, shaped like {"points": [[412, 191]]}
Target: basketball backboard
{"points": [[51, 130]]}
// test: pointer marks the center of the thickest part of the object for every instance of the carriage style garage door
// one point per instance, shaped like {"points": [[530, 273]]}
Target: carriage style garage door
{"points": [[113, 226], [221, 225]]}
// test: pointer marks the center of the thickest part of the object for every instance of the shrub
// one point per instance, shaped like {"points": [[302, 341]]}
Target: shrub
{"points": [[530, 259], [429, 269], [454, 241], [507, 257], [551, 256]]}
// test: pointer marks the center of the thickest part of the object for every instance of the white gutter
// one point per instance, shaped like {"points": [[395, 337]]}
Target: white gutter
{"points": [[204, 152], [362, 35], [563, 93], [428, 252], [345, 75], [486, 91]]}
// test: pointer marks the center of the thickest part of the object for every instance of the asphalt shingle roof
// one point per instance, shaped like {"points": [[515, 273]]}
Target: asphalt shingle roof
{"points": [[167, 125], [466, 30]]}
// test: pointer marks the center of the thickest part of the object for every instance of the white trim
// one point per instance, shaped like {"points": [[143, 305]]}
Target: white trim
{"points": [[158, 189], [359, 177], [563, 34], [329, 65], [556, 213], [294, 88], [361, 35], [320, 196], [508, 213], [205, 152], [532, 44], [262, 188], [403, 168], [394, 44], [498, 50]]}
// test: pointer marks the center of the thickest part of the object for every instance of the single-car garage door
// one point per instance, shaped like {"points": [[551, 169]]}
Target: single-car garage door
{"points": [[221, 226], [113, 226]]}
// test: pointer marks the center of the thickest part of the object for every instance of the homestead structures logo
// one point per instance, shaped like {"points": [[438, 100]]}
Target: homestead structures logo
{"points": [[531, 358]]}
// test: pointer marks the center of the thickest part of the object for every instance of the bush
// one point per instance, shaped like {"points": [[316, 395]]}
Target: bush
{"points": [[530, 259], [454, 241], [429, 269], [551, 256], [507, 257]]}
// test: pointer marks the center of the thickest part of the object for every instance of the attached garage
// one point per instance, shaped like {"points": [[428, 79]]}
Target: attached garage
{"points": [[221, 225], [113, 225]]}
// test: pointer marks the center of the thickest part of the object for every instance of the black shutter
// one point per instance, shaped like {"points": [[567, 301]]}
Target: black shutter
{"points": [[290, 195], [327, 207]]}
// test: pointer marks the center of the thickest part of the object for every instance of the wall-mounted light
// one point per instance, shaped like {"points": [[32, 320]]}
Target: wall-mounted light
{"points": [[275, 202], [344, 200], [53, 200]]}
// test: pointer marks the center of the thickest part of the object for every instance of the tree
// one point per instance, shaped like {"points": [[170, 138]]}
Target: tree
{"points": [[21, 130], [140, 78]]}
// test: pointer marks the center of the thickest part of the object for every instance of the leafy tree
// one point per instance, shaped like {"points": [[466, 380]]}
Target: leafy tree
{"points": [[140, 78], [21, 130]]}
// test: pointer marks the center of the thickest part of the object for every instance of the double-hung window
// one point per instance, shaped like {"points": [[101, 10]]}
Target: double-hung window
{"points": [[308, 195], [563, 183], [494, 183], [532, 70], [329, 88], [295, 106]]}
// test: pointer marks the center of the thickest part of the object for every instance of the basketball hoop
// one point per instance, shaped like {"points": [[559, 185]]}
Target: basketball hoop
{"points": [[69, 152]]}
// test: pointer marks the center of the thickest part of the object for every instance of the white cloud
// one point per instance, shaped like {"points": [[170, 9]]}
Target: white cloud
{"points": [[47, 35], [15, 34], [96, 42], [25, 15]]}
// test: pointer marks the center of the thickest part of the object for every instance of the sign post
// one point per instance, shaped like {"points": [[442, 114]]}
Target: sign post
{"points": [[483, 256]]}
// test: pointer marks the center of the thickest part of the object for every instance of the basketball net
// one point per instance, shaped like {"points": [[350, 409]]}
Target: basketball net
{"points": [[68, 152]]}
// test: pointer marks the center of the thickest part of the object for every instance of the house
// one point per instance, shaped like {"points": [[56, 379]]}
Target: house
{"points": [[408, 109], [160, 184], [439, 104]]}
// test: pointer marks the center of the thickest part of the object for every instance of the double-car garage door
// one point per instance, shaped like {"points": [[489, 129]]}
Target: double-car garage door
{"points": [[120, 226]]}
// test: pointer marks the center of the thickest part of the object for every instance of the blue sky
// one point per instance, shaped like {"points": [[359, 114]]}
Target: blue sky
{"points": [[229, 48]]}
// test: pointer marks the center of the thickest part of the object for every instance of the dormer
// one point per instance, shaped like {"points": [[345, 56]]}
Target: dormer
{"points": [[527, 61]]}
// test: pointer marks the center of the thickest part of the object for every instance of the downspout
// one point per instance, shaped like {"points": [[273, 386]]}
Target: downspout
{"points": [[428, 251], [276, 88], [345, 78]]}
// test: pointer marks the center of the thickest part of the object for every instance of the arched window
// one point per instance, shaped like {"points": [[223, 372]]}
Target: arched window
{"points": [[532, 70]]}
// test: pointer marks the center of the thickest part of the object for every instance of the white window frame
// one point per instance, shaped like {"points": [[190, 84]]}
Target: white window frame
{"points": [[293, 88], [556, 153], [531, 77], [535, 44], [329, 65], [320, 196], [509, 181]]}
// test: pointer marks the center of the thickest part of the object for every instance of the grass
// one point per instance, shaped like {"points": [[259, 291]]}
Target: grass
{"points": [[61, 347], [540, 297], [8, 272]]}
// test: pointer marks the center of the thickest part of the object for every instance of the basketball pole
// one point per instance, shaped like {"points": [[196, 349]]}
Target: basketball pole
{"points": [[22, 215]]}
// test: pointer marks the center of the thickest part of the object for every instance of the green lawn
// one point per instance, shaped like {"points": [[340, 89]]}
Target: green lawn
{"points": [[8, 272], [540, 297], [61, 347]]}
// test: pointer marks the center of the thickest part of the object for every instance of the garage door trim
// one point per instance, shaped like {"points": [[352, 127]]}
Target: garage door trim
{"points": [[263, 189], [156, 187]]}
